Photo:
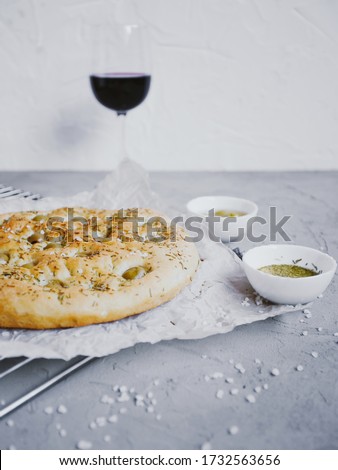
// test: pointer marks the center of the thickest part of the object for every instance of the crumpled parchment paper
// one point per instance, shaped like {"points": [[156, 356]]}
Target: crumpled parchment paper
{"points": [[219, 298]]}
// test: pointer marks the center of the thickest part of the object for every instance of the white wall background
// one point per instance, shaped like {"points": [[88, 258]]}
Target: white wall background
{"points": [[237, 84]]}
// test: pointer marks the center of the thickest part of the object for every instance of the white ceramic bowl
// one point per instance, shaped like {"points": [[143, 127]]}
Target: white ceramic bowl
{"points": [[286, 290], [202, 205]]}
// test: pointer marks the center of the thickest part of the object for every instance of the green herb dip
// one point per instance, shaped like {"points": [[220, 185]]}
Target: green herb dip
{"points": [[287, 270], [224, 213]]}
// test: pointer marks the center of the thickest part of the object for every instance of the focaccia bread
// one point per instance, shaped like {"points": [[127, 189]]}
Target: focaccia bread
{"points": [[74, 267]]}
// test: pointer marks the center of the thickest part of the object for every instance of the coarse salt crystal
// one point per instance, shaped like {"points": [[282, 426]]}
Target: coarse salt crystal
{"points": [[258, 361], [123, 388], [206, 378], [158, 417], [107, 438], [320, 328], [275, 372], [234, 391], [233, 430], [10, 423], [265, 386], [6, 334], [48, 410], [304, 333], [240, 368], [299, 368], [92, 425], [113, 419], [115, 388], [63, 432], [124, 397], [335, 334], [229, 380], [206, 446], [101, 421], [258, 389], [150, 409], [306, 311], [150, 394], [314, 354], [123, 411], [156, 382], [217, 375], [62, 409], [250, 398], [204, 356], [139, 403], [220, 394], [84, 445]]}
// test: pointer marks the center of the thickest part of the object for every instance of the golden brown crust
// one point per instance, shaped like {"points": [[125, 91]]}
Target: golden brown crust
{"points": [[78, 280]]}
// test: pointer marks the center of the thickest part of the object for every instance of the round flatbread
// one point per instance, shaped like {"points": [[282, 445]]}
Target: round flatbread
{"points": [[75, 266]]}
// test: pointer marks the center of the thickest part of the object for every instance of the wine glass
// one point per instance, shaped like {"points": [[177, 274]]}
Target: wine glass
{"points": [[120, 78]]}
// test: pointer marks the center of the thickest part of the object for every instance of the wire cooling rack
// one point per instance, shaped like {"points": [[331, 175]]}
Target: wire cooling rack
{"points": [[22, 379], [8, 192]]}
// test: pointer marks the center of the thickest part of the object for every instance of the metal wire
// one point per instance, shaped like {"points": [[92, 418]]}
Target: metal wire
{"points": [[35, 391], [16, 367], [9, 192]]}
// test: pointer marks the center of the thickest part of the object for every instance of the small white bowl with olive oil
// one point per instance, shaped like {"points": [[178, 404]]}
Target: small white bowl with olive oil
{"points": [[233, 214], [288, 274]]}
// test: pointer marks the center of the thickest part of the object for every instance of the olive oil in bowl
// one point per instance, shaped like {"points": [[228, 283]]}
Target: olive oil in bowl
{"points": [[288, 274], [288, 270], [226, 213]]}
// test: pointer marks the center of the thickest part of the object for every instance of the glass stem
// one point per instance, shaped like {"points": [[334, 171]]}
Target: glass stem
{"points": [[121, 136]]}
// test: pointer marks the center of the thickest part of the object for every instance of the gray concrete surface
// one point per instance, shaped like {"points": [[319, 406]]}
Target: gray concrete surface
{"points": [[299, 410]]}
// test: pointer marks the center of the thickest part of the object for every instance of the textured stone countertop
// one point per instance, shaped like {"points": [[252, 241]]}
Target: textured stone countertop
{"points": [[293, 410]]}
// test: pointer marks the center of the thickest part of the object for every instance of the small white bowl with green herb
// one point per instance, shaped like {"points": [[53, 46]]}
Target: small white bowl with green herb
{"points": [[288, 274], [232, 213]]}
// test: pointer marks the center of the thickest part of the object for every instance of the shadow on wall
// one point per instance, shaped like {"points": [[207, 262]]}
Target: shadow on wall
{"points": [[74, 126]]}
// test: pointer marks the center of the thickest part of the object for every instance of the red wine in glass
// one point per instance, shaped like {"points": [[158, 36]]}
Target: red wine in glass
{"points": [[120, 91], [120, 72]]}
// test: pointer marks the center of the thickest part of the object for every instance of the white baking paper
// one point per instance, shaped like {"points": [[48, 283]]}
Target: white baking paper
{"points": [[219, 298]]}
